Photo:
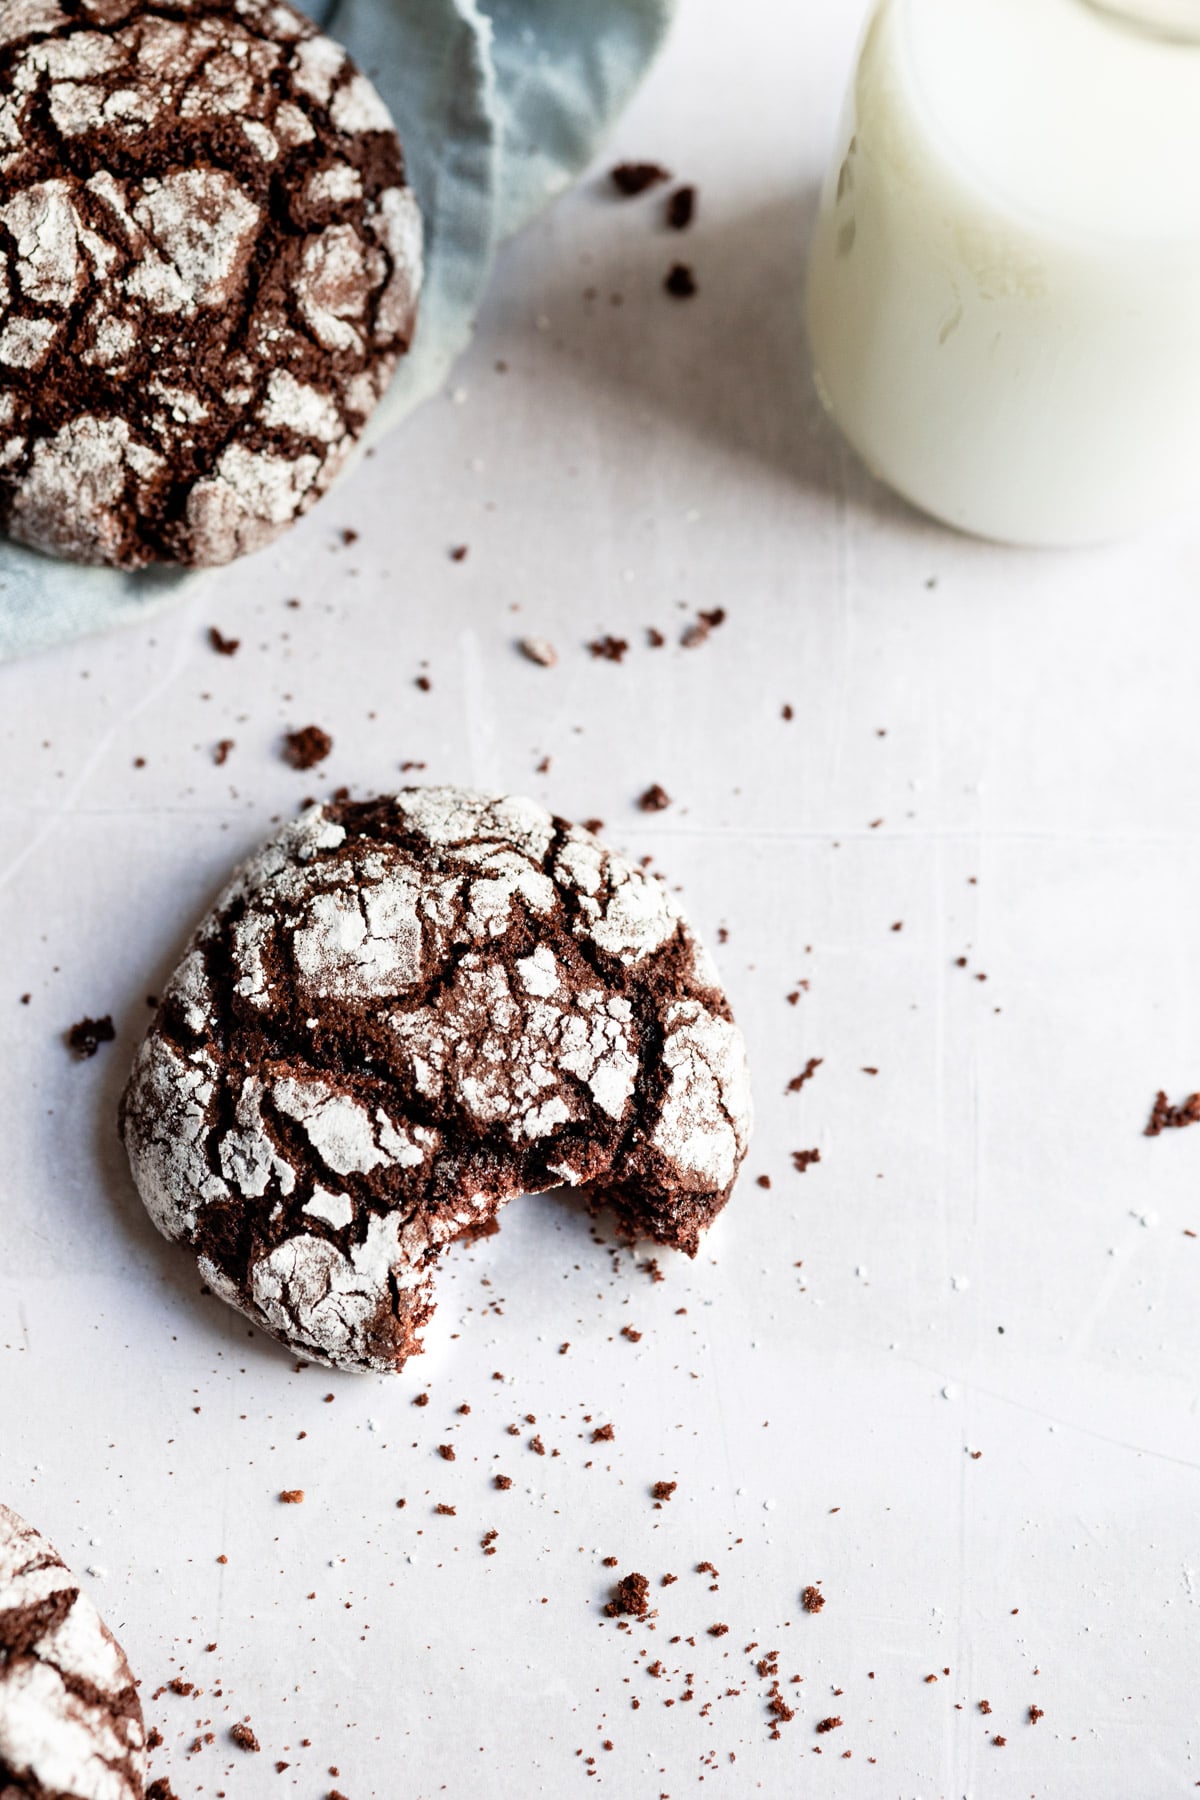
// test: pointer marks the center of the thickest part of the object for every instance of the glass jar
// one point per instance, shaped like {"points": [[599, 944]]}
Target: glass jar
{"points": [[1004, 292]]}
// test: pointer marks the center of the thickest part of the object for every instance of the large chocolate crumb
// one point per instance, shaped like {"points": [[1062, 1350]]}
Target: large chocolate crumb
{"points": [[305, 748], [243, 1736], [86, 1036], [632, 178], [681, 208], [1165, 1117], [680, 282], [630, 1597]]}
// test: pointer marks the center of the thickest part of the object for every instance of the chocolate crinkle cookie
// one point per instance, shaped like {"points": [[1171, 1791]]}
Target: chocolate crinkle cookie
{"points": [[209, 267], [399, 1014], [70, 1718]]}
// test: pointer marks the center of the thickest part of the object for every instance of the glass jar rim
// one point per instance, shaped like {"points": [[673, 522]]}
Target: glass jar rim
{"points": [[1177, 20]]}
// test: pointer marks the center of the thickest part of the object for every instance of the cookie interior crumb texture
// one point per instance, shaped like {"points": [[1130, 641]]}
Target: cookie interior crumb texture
{"points": [[209, 267], [70, 1718], [400, 1014]]}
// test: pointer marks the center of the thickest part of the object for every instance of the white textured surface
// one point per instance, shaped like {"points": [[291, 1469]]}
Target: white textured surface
{"points": [[1041, 737]]}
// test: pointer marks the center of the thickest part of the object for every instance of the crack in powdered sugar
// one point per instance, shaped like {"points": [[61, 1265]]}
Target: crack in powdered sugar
{"points": [[401, 1013], [194, 333]]}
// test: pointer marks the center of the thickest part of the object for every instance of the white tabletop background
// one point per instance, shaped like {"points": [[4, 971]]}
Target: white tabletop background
{"points": [[997, 749]]}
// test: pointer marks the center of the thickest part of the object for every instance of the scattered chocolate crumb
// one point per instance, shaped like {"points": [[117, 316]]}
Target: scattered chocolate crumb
{"points": [[632, 178], [681, 208], [460, 553], [629, 1331], [423, 682], [221, 751], [662, 1490], [803, 1159], [487, 1542], [349, 536], [1036, 1713], [609, 648], [702, 628], [788, 712], [161, 1789], [594, 825], [650, 1267], [654, 637], [537, 1446], [668, 1580], [447, 1512], [86, 1036], [222, 645], [809, 1070], [812, 1599], [985, 1706], [502, 1481], [446, 1452], [420, 1399], [929, 1678], [306, 748], [538, 650], [630, 1597], [999, 1742], [563, 1348], [717, 1630], [763, 1181], [244, 1737], [292, 1496], [603, 1434], [680, 282], [655, 799], [830, 1724], [1165, 1117]]}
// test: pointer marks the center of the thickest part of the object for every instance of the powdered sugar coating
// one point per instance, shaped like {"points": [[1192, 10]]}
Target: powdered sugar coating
{"points": [[209, 267], [70, 1719], [398, 1015]]}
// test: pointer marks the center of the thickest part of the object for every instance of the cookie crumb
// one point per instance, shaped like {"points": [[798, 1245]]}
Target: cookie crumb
{"points": [[609, 648], [305, 748], [633, 178], [804, 1159], [812, 1599], [1165, 1117], [655, 799], [830, 1724], [243, 1736], [681, 208], [680, 282], [292, 1496], [86, 1036], [222, 645], [662, 1490], [630, 1597]]}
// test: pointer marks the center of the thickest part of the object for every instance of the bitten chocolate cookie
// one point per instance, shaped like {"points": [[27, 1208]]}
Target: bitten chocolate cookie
{"points": [[209, 267], [70, 1718], [398, 1015]]}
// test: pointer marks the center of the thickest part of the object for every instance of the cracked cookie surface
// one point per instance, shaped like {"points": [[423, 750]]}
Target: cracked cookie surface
{"points": [[209, 267], [70, 1718], [399, 1014]]}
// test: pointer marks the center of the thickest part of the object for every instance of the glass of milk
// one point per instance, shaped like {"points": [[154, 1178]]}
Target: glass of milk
{"points": [[1004, 296]]}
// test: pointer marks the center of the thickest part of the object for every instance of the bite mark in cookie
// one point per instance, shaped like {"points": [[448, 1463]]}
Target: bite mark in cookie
{"points": [[398, 1015]]}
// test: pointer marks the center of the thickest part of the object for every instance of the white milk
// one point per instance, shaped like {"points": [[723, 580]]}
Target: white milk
{"points": [[1004, 301]]}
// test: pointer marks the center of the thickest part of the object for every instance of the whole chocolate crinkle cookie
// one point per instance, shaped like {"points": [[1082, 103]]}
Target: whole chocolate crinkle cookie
{"points": [[401, 1013], [209, 267], [70, 1718]]}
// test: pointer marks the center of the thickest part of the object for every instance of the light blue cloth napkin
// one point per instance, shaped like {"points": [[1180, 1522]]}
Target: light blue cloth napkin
{"points": [[499, 105]]}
